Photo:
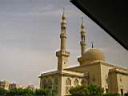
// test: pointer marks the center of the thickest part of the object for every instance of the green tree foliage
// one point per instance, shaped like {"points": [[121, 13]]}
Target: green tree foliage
{"points": [[126, 94], [111, 94], [3, 91], [94, 90], [28, 92], [78, 91], [42, 92], [91, 90], [25, 92], [20, 91]]}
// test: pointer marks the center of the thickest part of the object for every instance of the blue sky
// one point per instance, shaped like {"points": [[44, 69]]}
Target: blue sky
{"points": [[29, 38]]}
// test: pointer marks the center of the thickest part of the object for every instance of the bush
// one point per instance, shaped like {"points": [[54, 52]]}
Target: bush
{"points": [[20, 91], [111, 94], [3, 91], [91, 90], [94, 90], [25, 92], [78, 91], [42, 92], [126, 94]]}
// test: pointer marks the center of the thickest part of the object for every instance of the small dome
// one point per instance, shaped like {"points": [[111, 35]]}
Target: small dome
{"points": [[92, 55]]}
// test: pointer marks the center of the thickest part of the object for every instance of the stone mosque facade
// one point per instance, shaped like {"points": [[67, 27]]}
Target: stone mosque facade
{"points": [[92, 69]]}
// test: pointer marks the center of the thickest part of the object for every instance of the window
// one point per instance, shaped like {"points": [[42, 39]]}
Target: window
{"points": [[84, 82], [68, 85], [121, 91], [49, 83], [68, 81], [106, 90], [56, 81], [120, 80], [44, 83], [76, 82], [55, 86]]}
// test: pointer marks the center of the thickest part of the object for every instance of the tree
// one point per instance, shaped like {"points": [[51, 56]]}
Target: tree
{"points": [[91, 90], [126, 94], [111, 94], [78, 91], [3, 91], [42, 92], [94, 90], [20, 91], [28, 92]]}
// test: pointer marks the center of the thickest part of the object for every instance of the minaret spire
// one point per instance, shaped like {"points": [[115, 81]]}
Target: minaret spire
{"points": [[63, 54], [63, 34], [83, 41], [63, 12]]}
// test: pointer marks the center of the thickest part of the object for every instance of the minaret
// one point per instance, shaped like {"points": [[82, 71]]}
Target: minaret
{"points": [[62, 54], [83, 41]]}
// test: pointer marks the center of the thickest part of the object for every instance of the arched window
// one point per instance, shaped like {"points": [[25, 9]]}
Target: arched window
{"points": [[44, 83], [76, 82], [49, 83], [56, 80], [68, 81], [84, 82], [68, 85], [55, 87]]}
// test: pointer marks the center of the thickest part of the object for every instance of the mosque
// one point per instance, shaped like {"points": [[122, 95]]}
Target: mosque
{"points": [[92, 69]]}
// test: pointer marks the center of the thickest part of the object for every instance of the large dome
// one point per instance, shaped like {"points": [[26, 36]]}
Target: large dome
{"points": [[92, 55]]}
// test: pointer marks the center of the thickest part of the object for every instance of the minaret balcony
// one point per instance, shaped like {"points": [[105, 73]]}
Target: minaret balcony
{"points": [[63, 35], [62, 53], [83, 32]]}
